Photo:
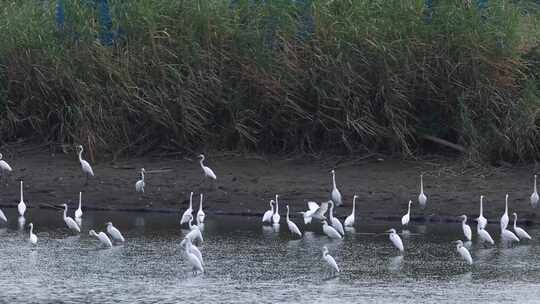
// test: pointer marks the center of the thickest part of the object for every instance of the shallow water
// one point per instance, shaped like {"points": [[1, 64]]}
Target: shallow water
{"points": [[248, 263]]}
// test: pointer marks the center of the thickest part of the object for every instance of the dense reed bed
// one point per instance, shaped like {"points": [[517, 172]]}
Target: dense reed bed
{"points": [[341, 76]]}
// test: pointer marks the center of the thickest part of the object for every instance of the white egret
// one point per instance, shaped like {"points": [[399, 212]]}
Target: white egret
{"points": [[139, 185], [276, 217], [3, 216], [114, 233], [200, 213], [396, 240], [465, 254], [466, 228], [482, 221], [508, 236], [315, 212], [422, 198], [330, 260], [405, 219], [330, 231], [336, 195], [69, 221], [520, 232], [187, 214], [21, 207], [78, 212], [102, 237], [4, 166], [292, 226], [192, 248], [85, 166], [196, 264], [195, 234], [504, 217], [534, 195], [33, 237], [267, 217], [349, 221], [335, 221], [208, 173], [484, 236]]}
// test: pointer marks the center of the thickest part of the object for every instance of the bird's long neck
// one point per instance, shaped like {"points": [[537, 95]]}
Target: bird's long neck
{"points": [[409, 208], [65, 212], [353, 204], [80, 199], [277, 206], [22, 191], [80, 154], [201, 161], [464, 222], [515, 220], [332, 210], [200, 202], [272, 207], [506, 205], [142, 175], [535, 184], [334, 180], [31, 229], [421, 184], [287, 213], [481, 203], [191, 200]]}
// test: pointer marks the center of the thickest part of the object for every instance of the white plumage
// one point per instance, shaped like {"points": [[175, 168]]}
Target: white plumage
{"points": [[4, 166], [195, 233], [534, 195], [330, 231], [395, 239], [336, 195], [69, 221], [292, 226], [188, 213], [78, 212], [406, 218], [209, 173], [482, 221], [33, 238], [139, 185], [115, 233], [422, 198], [508, 236], [484, 235], [466, 228], [196, 264], [276, 217], [102, 237], [85, 166], [193, 249], [335, 221], [21, 207], [465, 254], [504, 217], [349, 221], [200, 213], [267, 217], [330, 260], [520, 232]]}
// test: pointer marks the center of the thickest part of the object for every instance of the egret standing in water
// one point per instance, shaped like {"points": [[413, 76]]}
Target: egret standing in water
{"points": [[482, 221], [504, 217], [196, 264], [22, 206], [33, 237], [78, 212], [349, 221], [335, 195], [114, 233], [330, 260], [315, 211], [195, 234], [102, 237], [85, 166], [267, 217], [422, 198], [465, 254], [69, 221], [534, 195], [192, 248], [335, 221], [508, 236], [139, 185], [466, 228], [405, 219], [187, 214], [276, 217], [484, 236], [200, 213], [330, 231], [208, 173], [292, 226], [4, 166], [520, 232], [396, 240]]}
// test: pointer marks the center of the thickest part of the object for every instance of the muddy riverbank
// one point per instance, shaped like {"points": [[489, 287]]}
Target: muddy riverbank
{"points": [[246, 183]]}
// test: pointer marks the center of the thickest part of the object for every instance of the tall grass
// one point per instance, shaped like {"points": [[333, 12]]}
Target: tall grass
{"points": [[186, 75]]}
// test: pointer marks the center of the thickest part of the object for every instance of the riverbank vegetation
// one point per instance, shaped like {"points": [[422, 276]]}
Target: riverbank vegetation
{"points": [[346, 76]]}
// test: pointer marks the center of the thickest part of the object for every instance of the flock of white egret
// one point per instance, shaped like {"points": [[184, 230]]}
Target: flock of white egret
{"points": [[331, 225]]}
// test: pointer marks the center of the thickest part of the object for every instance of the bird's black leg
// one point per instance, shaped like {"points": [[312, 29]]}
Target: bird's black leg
{"points": [[86, 182]]}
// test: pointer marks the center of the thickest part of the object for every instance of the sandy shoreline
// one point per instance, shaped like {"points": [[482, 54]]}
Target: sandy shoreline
{"points": [[245, 184]]}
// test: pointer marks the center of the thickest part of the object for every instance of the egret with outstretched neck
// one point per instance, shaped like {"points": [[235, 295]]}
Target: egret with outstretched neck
{"points": [[335, 195], [22, 206], [102, 237], [276, 217], [482, 221], [292, 226], [405, 219], [69, 221], [187, 214], [33, 238], [534, 195], [465, 254], [196, 264], [208, 173], [78, 212], [520, 232], [267, 217], [466, 228], [422, 198], [330, 260], [330, 231], [114, 233], [504, 217], [349, 221], [200, 214], [139, 185], [85, 166], [335, 221], [395, 239]]}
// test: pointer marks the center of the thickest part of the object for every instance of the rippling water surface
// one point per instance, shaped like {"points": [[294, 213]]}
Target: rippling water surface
{"points": [[248, 263]]}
